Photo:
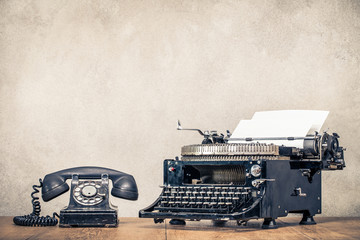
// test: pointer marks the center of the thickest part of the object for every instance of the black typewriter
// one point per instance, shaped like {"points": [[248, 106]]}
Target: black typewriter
{"points": [[223, 181]]}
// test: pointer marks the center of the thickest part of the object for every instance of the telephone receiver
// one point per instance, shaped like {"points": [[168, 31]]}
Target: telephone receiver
{"points": [[89, 204], [54, 184]]}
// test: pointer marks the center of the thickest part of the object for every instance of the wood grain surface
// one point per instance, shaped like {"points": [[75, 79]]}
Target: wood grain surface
{"points": [[135, 228]]}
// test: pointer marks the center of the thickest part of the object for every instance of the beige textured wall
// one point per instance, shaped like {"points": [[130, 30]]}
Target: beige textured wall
{"points": [[103, 83]]}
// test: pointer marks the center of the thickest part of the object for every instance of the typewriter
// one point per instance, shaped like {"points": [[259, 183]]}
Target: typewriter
{"points": [[240, 178]]}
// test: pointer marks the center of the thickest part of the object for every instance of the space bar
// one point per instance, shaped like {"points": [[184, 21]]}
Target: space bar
{"points": [[203, 210]]}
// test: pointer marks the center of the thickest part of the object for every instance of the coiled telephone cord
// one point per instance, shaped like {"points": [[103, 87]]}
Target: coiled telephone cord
{"points": [[34, 219]]}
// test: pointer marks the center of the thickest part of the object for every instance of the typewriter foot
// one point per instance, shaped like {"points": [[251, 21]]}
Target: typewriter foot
{"points": [[307, 219], [177, 222], [158, 220], [269, 223]]}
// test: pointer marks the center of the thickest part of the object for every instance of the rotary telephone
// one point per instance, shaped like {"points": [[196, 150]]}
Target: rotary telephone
{"points": [[89, 204]]}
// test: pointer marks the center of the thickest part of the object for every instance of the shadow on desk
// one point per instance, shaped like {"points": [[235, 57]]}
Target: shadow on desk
{"points": [[288, 228]]}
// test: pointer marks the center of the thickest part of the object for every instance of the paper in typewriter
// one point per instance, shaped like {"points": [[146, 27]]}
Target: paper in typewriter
{"points": [[285, 123]]}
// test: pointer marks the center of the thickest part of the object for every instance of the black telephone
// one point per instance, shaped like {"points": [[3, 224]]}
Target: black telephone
{"points": [[89, 204]]}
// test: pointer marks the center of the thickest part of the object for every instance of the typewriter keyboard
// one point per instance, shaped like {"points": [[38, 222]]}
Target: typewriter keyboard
{"points": [[203, 199]]}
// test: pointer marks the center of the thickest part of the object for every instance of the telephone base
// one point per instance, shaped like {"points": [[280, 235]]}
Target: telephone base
{"points": [[81, 218]]}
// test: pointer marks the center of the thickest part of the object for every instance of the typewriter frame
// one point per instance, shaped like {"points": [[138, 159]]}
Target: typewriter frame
{"points": [[289, 180]]}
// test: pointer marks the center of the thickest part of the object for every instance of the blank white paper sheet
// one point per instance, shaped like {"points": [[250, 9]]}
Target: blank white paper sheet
{"points": [[284, 123]]}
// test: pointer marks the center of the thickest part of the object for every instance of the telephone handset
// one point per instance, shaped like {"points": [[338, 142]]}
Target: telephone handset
{"points": [[89, 204]]}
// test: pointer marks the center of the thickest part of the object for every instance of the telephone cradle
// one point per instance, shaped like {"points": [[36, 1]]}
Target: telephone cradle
{"points": [[89, 204]]}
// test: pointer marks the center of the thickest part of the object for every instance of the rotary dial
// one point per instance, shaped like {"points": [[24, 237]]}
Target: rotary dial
{"points": [[87, 193]]}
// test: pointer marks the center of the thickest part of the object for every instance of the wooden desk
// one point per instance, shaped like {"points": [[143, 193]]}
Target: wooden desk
{"points": [[136, 228]]}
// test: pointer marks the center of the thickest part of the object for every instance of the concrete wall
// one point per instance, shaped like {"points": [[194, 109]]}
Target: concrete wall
{"points": [[104, 82]]}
